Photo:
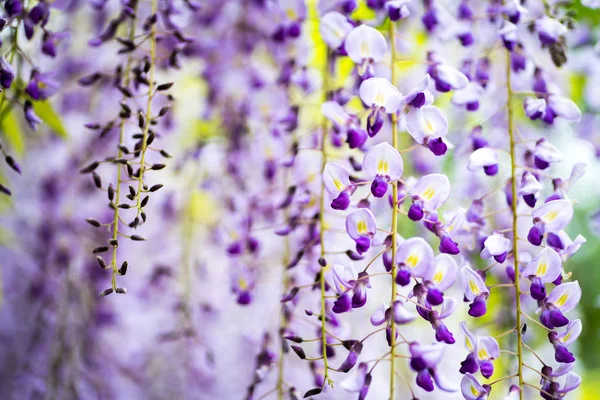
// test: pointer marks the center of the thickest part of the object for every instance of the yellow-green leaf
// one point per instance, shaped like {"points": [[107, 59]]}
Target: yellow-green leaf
{"points": [[11, 131], [46, 112]]}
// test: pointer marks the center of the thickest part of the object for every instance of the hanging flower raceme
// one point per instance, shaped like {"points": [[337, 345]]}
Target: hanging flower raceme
{"points": [[382, 165], [382, 97]]}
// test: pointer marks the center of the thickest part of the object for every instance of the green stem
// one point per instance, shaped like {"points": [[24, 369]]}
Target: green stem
{"points": [[326, 378], [115, 223], [394, 226], [513, 167], [148, 117]]}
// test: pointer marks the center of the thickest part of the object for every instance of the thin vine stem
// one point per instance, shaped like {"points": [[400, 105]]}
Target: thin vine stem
{"points": [[116, 216], [151, 92], [394, 226], [326, 378], [513, 167]]}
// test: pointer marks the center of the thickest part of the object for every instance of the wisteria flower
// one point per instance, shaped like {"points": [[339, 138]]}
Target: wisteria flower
{"points": [[365, 46], [544, 268], [475, 291], [382, 164], [361, 227], [552, 216], [381, 96], [428, 126]]}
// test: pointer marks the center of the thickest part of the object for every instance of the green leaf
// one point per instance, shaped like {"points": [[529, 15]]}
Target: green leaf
{"points": [[46, 112], [11, 130]]}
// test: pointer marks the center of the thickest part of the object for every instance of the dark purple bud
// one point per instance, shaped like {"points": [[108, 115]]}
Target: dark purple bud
{"points": [[356, 137], [289, 296], [449, 246], [545, 319], [299, 351], [469, 364], [442, 334], [424, 380], [435, 297], [13, 7], [537, 289], [354, 256], [418, 100], [294, 30], [487, 369], [342, 201], [478, 307], [539, 163], [558, 319], [235, 248], [535, 235], [374, 122], [403, 277], [39, 13], [563, 355], [466, 39], [415, 212], [553, 240], [379, 186], [530, 200], [430, 20], [342, 304], [352, 358], [491, 170], [362, 245], [500, 258], [437, 146]]}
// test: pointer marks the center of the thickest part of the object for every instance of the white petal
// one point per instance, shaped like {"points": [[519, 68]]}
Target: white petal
{"points": [[547, 265], [364, 42], [433, 190], [334, 28], [452, 76], [565, 108], [417, 255], [496, 244], [547, 152], [335, 178], [380, 92], [482, 157], [427, 121], [556, 214], [383, 159], [335, 113]]}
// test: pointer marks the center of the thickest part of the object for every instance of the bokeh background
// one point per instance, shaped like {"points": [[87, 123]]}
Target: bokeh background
{"points": [[179, 332]]}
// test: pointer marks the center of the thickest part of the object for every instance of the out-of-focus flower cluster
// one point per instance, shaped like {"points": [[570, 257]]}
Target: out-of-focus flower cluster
{"points": [[361, 199]]}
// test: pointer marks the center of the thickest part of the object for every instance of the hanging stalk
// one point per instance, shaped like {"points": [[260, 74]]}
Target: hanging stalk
{"points": [[115, 223], [513, 166], [324, 127], [394, 227]]}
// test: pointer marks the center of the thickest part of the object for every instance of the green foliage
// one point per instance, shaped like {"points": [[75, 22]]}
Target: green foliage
{"points": [[50, 117]]}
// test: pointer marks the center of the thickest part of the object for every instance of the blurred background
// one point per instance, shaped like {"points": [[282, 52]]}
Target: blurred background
{"points": [[180, 332]]}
